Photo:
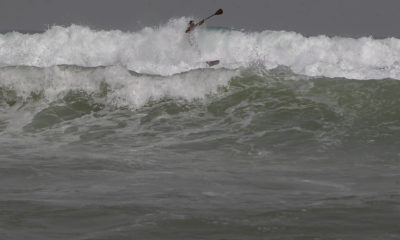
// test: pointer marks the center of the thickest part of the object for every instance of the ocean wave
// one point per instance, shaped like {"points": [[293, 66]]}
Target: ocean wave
{"points": [[164, 50], [256, 106], [116, 85]]}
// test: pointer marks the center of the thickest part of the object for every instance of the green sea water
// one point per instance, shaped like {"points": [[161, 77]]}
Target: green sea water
{"points": [[266, 154]]}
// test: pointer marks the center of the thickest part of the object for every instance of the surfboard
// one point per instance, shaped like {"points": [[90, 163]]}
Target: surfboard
{"points": [[212, 63]]}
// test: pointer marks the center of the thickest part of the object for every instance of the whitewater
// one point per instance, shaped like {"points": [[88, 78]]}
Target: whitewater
{"points": [[164, 50], [121, 135]]}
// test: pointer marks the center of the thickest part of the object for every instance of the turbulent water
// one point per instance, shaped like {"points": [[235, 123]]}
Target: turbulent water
{"points": [[128, 135]]}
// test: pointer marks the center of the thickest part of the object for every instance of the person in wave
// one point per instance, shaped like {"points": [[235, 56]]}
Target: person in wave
{"points": [[190, 34], [192, 25]]}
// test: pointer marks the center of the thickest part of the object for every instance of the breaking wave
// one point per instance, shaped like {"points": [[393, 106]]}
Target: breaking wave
{"points": [[164, 50]]}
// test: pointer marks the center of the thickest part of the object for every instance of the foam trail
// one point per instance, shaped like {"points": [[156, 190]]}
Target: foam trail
{"points": [[164, 50]]}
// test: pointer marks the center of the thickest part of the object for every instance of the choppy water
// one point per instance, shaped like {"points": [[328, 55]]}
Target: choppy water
{"points": [[150, 146]]}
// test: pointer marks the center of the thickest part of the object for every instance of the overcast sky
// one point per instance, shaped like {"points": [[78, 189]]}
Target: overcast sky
{"points": [[354, 18]]}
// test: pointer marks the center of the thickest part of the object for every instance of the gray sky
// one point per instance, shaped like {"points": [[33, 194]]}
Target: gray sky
{"points": [[354, 18]]}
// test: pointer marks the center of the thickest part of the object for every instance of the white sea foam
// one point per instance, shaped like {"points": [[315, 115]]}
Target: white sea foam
{"points": [[124, 88], [164, 50]]}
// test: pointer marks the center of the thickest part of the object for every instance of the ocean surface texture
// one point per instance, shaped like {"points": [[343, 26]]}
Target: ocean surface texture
{"points": [[129, 135]]}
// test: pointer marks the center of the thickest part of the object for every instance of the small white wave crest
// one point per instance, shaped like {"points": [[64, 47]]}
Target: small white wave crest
{"points": [[123, 88]]}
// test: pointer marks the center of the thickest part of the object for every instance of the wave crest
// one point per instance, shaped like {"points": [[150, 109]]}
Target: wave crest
{"points": [[164, 50], [116, 85]]}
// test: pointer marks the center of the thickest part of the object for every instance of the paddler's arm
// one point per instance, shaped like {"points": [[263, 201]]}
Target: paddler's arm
{"points": [[200, 23], [190, 28]]}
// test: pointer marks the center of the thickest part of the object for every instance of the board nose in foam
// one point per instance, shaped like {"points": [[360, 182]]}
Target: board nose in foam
{"points": [[212, 63]]}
